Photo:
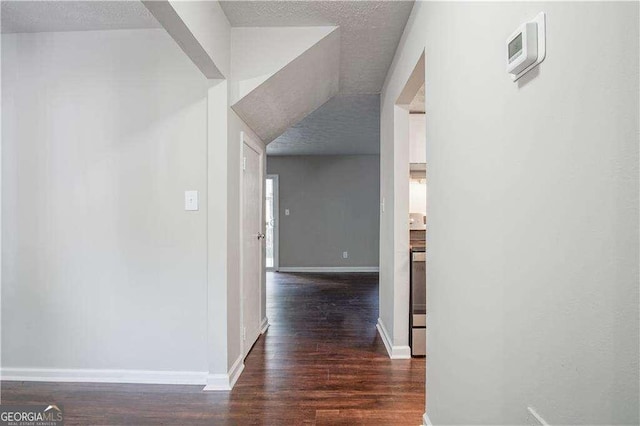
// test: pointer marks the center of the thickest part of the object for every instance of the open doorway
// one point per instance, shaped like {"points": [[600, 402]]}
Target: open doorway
{"points": [[417, 225], [410, 132], [271, 225]]}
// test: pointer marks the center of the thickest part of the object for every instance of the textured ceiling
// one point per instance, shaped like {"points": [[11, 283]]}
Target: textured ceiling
{"points": [[293, 92], [258, 53], [369, 31], [46, 16], [346, 125]]}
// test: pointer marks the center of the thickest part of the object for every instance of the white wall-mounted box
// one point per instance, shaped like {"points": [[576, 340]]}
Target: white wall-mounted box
{"points": [[526, 47]]}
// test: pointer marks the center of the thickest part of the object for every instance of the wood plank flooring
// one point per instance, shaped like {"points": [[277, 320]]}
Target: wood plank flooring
{"points": [[321, 362]]}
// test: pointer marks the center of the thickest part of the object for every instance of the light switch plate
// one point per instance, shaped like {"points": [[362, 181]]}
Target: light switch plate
{"points": [[191, 200], [286, 212]]}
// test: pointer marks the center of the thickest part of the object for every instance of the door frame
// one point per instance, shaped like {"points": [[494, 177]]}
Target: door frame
{"points": [[398, 213], [276, 218], [246, 139]]}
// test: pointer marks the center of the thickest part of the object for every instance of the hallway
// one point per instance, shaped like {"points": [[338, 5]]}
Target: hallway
{"points": [[322, 358], [321, 362]]}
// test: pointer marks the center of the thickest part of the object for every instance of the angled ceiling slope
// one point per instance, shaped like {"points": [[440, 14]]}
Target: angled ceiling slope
{"points": [[258, 53], [294, 91], [369, 32], [200, 28]]}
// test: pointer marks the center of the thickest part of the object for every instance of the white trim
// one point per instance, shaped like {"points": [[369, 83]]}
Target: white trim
{"points": [[276, 217], [104, 376], [217, 382], [395, 352], [323, 269], [264, 325], [225, 382], [236, 369], [537, 416], [426, 421], [384, 336], [401, 352]]}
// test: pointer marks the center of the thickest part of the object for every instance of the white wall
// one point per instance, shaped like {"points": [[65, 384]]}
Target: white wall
{"points": [[148, 126], [417, 196], [532, 274], [102, 267], [417, 136], [224, 160], [218, 231]]}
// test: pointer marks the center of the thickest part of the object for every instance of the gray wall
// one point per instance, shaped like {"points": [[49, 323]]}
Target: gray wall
{"points": [[334, 205], [102, 131], [532, 248]]}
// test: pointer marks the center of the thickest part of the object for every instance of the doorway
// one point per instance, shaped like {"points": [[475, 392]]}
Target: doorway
{"points": [[252, 238], [411, 193], [271, 223]]}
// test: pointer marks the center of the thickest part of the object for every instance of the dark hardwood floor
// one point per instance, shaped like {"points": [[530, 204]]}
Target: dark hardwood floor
{"points": [[321, 362]]}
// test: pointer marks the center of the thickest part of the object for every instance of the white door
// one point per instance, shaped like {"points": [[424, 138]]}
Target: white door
{"points": [[252, 239]]}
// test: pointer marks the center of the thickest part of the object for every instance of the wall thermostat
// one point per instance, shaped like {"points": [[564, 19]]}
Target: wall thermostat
{"points": [[526, 47]]}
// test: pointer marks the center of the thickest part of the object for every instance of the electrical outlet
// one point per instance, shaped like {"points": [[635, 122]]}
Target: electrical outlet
{"points": [[534, 419], [345, 254], [191, 200]]}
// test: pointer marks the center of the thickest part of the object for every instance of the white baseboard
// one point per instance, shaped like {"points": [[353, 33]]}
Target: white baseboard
{"points": [[328, 269], [236, 369], [395, 352], [211, 381], [225, 382], [104, 376], [382, 331], [426, 421], [401, 352], [264, 325]]}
